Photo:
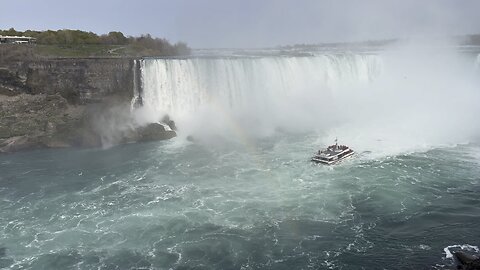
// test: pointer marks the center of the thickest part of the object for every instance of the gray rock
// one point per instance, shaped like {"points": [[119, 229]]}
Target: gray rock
{"points": [[166, 119], [155, 132]]}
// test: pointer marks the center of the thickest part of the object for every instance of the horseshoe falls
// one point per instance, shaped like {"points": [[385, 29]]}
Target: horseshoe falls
{"points": [[241, 193], [387, 103], [181, 87]]}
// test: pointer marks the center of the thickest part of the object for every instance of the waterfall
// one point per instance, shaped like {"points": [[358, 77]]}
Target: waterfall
{"points": [[386, 96], [181, 87], [137, 99]]}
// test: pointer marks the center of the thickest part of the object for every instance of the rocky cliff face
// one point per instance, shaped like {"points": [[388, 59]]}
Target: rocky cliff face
{"points": [[80, 81], [34, 121], [69, 102]]}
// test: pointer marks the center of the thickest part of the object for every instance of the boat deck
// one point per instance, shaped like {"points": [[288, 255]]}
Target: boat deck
{"points": [[332, 154]]}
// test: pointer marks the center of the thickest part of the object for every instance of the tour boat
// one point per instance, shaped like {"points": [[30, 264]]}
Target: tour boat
{"points": [[333, 154]]}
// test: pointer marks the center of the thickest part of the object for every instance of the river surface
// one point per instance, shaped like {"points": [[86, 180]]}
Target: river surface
{"points": [[236, 205], [244, 194]]}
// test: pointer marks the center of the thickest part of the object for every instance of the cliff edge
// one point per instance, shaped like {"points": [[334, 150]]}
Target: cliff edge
{"points": [[47, 103]]}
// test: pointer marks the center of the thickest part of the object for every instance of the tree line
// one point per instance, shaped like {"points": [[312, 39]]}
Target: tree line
{"points": [[77, 37]]}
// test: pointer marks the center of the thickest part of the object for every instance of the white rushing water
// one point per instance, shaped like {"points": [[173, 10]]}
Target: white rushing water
{"points": [[136, 93], [182, 86], [390, 102]]}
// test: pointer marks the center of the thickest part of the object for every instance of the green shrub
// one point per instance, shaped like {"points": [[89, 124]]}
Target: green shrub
{"points": [[66, 38]]}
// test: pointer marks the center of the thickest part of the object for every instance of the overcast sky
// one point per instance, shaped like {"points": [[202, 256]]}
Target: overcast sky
{"points": [[249, 23]]}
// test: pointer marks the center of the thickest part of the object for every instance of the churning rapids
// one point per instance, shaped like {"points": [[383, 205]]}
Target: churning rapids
{"points": [[243, 194]]}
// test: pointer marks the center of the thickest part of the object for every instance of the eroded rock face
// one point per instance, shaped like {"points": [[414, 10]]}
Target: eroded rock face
{"points": [[71, 103], [80, 81], [34, 121], [49, 121], [10, 83]]}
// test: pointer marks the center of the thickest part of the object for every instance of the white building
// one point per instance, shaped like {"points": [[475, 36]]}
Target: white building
{"points": [[17, 40]]}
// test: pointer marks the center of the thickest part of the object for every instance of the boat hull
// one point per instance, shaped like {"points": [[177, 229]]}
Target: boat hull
{"points": [[331, 162]]}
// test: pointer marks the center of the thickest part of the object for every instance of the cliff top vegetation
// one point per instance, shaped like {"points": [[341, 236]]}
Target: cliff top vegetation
{"points": [[77, 43]]}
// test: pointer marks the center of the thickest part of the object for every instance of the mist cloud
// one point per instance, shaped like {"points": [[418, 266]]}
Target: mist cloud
{"points": [[412, 97]]}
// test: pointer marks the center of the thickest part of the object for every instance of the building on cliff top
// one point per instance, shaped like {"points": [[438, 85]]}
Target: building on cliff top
{"points": [[17, 40]]}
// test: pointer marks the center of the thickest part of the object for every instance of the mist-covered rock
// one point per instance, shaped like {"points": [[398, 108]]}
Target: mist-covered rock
{"points": [[49, 121]]}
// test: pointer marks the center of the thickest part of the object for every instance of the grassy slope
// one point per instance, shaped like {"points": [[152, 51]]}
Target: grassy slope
{"points": [[81, 50]]}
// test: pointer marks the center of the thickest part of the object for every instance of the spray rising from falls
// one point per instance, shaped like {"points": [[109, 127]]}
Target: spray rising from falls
{"points": [[477, 62], [403, 98], [182, 87], [267, 91]]}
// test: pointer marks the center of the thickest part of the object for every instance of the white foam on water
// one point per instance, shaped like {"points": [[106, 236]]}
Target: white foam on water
{"points": [[448, 253]]}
